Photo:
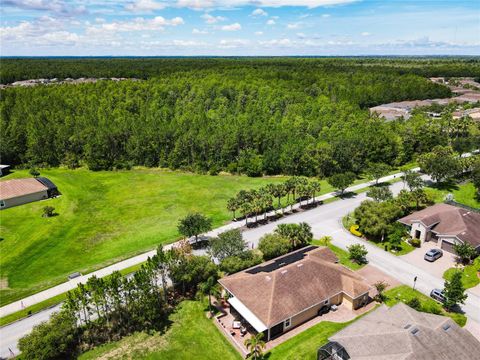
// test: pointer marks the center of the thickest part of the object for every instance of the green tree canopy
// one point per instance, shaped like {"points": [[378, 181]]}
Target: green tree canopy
{"points": [[193, 225], [226, 244]]}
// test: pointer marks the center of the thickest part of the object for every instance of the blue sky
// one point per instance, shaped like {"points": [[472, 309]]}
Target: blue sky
{"points": [[239, 27]]}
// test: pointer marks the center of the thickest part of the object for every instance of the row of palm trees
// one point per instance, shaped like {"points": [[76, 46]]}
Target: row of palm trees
{"points": [[256, 202]]}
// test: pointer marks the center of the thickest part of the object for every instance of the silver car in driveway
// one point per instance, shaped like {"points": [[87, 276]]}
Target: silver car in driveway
{"points": [[437, 294], [433, 254]]}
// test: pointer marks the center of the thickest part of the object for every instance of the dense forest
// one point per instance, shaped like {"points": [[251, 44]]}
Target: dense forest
{"points": [[292, 116]]}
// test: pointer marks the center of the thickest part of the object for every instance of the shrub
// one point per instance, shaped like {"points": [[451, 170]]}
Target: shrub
{"points": [[48, 211], [354, 230], [357, 253], [415, 242], [414, 303]]}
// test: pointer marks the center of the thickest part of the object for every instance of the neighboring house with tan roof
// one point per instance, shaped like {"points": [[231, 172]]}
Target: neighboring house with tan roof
{"points": [[401, 333], [280, 294], [21, 191], [445, 225]]}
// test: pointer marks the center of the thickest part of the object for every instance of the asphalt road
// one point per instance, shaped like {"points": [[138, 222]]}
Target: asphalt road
{"points": [[324, 220]]}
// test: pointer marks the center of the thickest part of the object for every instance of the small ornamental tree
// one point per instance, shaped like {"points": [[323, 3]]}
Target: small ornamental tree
{"points": [[256, 345], [48, 211], [454, 291], [380, 194], [413, 180], [380, 286], [193, 225], [465, 252], [228, 243], [376, 171], [341, 181], [414, 303], [357, 253]]}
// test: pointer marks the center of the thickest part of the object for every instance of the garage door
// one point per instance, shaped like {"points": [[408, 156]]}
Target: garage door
{"points": [[447, 246]]}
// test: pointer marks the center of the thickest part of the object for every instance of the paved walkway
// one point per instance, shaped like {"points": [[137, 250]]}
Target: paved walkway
{"points": [[72, 284]]}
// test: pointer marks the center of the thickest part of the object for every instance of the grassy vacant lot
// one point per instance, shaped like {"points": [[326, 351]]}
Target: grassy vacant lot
{"points": [[464, 193], [190, 336], [103, 217], [469, 274], [405, 293]]}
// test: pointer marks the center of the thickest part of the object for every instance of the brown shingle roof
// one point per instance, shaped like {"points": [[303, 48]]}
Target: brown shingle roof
{"points": [[388, 333], [18, 187], [275, 293], [446, 219]]}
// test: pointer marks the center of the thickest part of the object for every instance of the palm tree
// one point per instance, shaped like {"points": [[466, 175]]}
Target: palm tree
{"points": [[315, 188], [256, 345], [209, 287], [232, 205]]}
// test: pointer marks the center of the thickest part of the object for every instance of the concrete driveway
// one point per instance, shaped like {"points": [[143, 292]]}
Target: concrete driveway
{"points": [[436, 268]]}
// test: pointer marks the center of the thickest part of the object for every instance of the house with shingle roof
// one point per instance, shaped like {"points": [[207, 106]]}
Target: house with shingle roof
{"points": [[21, 191], [401, 333], [280, 294], [445, 225]]}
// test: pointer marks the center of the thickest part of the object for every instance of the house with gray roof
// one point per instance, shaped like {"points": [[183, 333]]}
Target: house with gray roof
{"points": [[445, 225], [401, 333]]}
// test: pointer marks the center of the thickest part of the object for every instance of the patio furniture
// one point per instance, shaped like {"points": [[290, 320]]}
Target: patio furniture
{"points": [[243, 331], [233, 333], [237, 325], [334, 308]]}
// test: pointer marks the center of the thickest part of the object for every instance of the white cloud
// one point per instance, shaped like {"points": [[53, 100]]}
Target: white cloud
{"points": [[199, 32], [209, 19], [144, 6], [365, 33], [60, 7], [204, 4], [232, 43], [137, 24], [258, 33], [232, 27], [276, 42], [326, 15], [301, 35], [293, 25], [259, 12], [271, 22]]}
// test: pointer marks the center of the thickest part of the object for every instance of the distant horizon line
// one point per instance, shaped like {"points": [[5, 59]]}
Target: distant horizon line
{"points": [[239, 56]]}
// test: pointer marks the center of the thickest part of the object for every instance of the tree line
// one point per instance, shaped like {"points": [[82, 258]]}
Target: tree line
{"points": [[297, 117]]}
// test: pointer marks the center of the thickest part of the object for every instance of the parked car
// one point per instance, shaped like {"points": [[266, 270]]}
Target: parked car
{"points": [[437, 294], [433, 254]]}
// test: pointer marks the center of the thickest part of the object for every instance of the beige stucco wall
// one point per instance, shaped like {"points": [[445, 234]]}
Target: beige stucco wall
{"points": [[312, 312], [25, 199], [354, 304], [423, 231]]}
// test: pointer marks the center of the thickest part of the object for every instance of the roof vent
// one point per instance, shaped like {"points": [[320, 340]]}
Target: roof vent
{"points": [[284, 271], [407, 326], [268, 278], [414, 331], [446, 327], [299, 265]]}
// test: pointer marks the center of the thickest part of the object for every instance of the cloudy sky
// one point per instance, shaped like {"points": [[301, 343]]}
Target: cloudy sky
{"points": [[239, 27]]}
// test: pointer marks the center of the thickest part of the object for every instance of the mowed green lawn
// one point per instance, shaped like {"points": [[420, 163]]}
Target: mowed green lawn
{"points": [[103, 217], [190, 336], [464, 194]]}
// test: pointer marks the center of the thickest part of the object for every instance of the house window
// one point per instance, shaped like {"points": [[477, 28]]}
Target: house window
{"points": [[418, 233], [326, 302], [2, 203], [288, 322]]}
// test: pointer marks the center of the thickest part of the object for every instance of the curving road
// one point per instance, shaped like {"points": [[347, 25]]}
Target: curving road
{"points": [[324, 220]]}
